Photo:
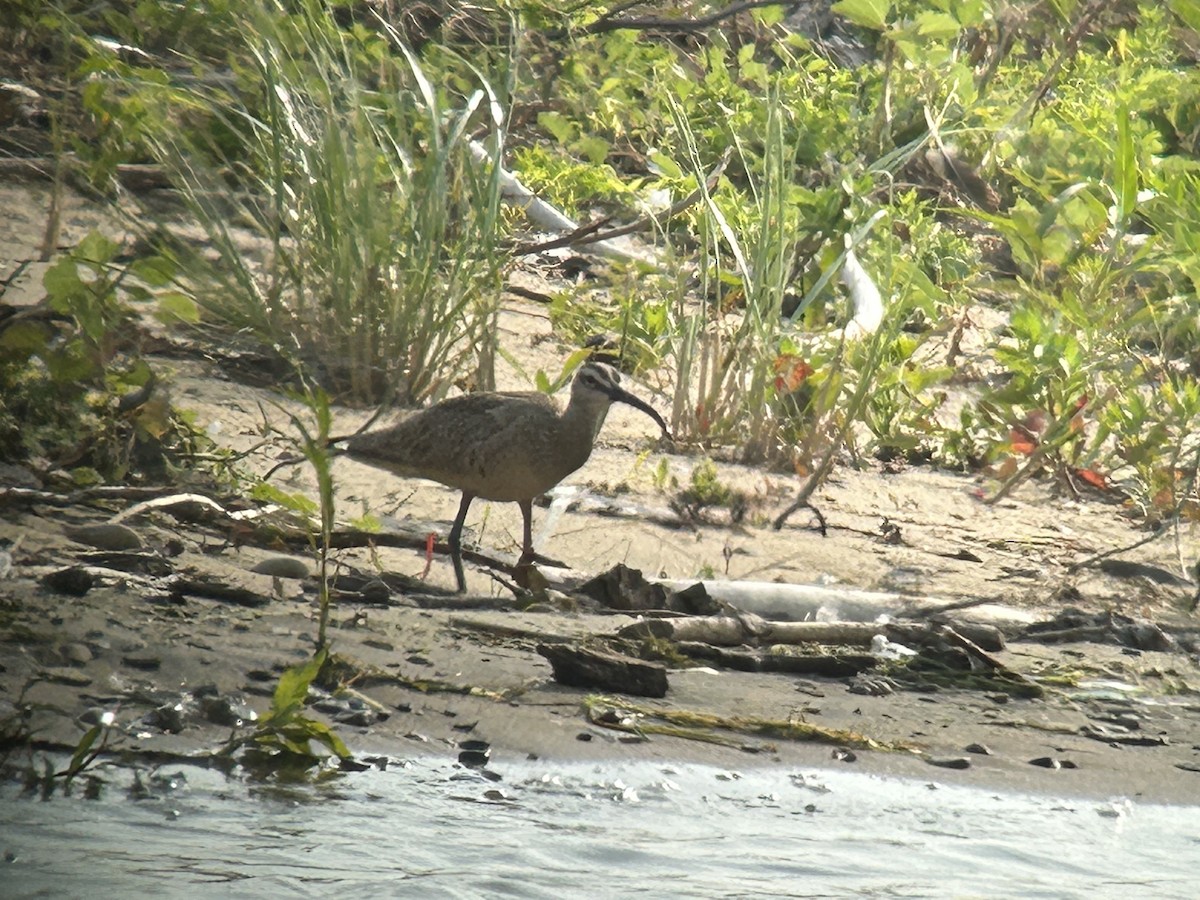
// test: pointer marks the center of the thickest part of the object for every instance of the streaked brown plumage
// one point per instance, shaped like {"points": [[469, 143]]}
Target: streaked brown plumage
{"points": [[499, 446]]}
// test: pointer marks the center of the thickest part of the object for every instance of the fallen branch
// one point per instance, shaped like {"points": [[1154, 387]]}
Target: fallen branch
{"points": [[590, 233], [546, 216], [732, 631], [610, 22], [585, 667]]}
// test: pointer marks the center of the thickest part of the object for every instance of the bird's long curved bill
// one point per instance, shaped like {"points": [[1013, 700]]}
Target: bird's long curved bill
{"points": [[618, 395]]}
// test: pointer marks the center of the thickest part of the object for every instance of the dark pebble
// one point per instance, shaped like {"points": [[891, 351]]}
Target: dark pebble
{"points": [[949, 762], [357, 718], [981, 749], [230, 711], [73, 580], [92, 716], [76, 653], [142, 663], [1049, 762], [168, 718], [475, 759]]}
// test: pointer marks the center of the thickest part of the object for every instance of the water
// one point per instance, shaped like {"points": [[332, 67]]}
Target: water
{"points": [[430, 829]]}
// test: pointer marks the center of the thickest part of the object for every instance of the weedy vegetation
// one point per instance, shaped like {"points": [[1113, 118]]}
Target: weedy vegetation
{"points": [[1020, 182]]}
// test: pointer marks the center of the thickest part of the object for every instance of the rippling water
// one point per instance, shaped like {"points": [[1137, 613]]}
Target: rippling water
{"points": [[428, 828]]}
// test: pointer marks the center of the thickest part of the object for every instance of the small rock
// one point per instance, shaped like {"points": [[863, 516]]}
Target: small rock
{"points": [[95, 715], [949, 762], [981, 749], [1049, 762], [843, 755], [73, 580], [357, 718], [105, 536], [871, 685], [283, 567], [168, 718], [76, 653], [64, 675], [474, 754], [142, 662], [229, 710]]}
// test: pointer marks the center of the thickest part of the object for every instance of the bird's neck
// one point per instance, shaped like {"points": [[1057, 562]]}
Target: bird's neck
{"points": [[580, 424]]}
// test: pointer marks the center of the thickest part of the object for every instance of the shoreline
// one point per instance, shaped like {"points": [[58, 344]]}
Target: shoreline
{"points": [[432, 679]]}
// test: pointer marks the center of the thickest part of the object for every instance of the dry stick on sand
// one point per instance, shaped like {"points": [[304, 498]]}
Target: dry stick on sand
{"points": [[590, 233]]}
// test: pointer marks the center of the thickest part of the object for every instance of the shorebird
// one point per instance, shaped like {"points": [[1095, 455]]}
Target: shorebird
{"points": [[501, 446]]}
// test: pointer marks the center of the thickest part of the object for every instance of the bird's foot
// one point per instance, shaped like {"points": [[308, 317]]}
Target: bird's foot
{"points": [[527, 576]]}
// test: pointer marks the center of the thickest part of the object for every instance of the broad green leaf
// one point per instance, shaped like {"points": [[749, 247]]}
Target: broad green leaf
{"points": [[938, 26], [664, 164], [594, 148], [268, 493], [174, 306], [866, 13], [292, 689], [83, 747], [561, 128], [63, 284], [367, 523], [85, 476], [70, 363], [1126, 170], [326, 735], [156, 271], [24, 338], [96, 249]]}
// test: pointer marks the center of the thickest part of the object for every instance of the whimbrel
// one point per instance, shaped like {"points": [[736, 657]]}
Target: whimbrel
{"points": [[499, 446]]}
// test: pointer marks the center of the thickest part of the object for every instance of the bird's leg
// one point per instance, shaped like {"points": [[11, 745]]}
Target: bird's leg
{"points": [[525, 563], [455, 541], [527, 537]]}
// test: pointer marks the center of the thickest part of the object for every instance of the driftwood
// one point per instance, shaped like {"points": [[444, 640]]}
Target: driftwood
{"points": [[800, 602], [829, 665], [1108, 627], [586, 668], [745, 628], [627, 589], [212, 589], [543, 215]]}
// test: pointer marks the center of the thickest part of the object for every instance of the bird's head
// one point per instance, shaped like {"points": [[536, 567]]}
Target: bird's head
{"points": [[597, 382]]}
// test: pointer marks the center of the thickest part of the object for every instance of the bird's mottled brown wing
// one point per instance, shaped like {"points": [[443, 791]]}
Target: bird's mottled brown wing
{"points": [[476, 442]]}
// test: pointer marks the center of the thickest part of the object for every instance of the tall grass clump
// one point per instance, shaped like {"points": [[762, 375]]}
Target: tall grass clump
{"points": [[723, 354], [355, 231]]}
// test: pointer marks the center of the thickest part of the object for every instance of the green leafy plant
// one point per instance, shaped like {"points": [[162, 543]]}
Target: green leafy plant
{"points": [[73, 383], [285, 734]]}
